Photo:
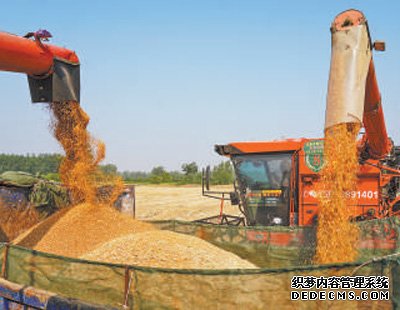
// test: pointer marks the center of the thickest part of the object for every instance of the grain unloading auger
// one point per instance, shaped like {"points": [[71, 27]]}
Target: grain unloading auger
{"points": [[353, 92], [277, 182], [53, 72]]}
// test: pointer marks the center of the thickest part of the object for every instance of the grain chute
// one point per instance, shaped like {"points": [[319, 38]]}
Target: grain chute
{"points": [[53, 72]]}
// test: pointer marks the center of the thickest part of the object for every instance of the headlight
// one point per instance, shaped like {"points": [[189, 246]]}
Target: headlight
{"points": [[277, 220]]}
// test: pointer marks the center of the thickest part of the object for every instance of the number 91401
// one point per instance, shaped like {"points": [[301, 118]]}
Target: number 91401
{"points": [[362, 194]]}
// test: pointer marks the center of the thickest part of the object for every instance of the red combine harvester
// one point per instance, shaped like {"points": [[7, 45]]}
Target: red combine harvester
{"points": [[277, 181]]}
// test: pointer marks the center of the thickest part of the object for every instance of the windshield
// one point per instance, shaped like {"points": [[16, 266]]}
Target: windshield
{"points": [[264, 187], [265, 171]]}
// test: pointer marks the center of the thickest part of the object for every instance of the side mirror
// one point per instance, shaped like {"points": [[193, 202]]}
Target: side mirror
{"points": [[234, 196]]}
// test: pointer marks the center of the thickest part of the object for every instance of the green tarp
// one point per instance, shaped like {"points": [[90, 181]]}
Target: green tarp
{"points": [[18, 179], [279, 246], [46, 196], [267, 287]]}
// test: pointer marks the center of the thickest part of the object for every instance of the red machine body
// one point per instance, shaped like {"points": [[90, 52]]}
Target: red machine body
{"points": [[278, 182], [375, 195], [33, 57], [376, 138], [53, 72]]}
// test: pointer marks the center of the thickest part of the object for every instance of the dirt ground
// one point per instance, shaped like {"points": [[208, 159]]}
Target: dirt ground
{"points": [[160, 202]]}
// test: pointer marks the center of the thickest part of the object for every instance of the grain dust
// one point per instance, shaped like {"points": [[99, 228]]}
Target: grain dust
{"points": [[79, 170], [336, 235], [16, 219]]}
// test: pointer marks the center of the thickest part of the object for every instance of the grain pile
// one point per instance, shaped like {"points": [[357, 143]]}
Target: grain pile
{"points": [[336, 235], [166, 249], [80, 229], [101, 233], [92, 229]]}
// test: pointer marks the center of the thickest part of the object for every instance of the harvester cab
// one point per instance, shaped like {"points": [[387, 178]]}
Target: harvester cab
{"points": [[263, 184], [278, 182], [266, 175]]}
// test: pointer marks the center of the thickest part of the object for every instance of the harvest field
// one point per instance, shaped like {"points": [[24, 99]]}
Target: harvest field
{"points": [[319, 220], [165, 202]]}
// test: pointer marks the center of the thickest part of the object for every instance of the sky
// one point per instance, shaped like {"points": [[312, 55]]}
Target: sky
{"points": [[163, 81]]}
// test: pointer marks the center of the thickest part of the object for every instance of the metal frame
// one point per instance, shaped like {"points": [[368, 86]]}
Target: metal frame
{"points": [[205, 187], [221, 219], [224, 219]]}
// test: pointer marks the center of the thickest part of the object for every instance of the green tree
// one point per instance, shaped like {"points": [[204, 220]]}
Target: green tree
{"points": [[158, 170], [135, 176], [177, 177], [159, 175], [109, 169], [35, 164], [222, 174], [190, 168]]}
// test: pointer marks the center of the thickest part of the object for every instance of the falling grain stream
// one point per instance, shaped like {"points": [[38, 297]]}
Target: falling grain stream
{"points": [[336, 235]]}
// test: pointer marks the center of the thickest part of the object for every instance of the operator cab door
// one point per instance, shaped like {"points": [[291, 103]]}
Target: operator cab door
{"points": [[264, 185]]}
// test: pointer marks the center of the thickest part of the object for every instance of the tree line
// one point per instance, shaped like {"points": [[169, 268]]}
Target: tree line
{"points": [[42, 164], [46, 165], [190, 174]]}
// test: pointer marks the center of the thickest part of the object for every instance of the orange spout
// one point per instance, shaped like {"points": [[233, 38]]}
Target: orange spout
{"points": [[18, 54], [376, 139], [53, 72]]}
